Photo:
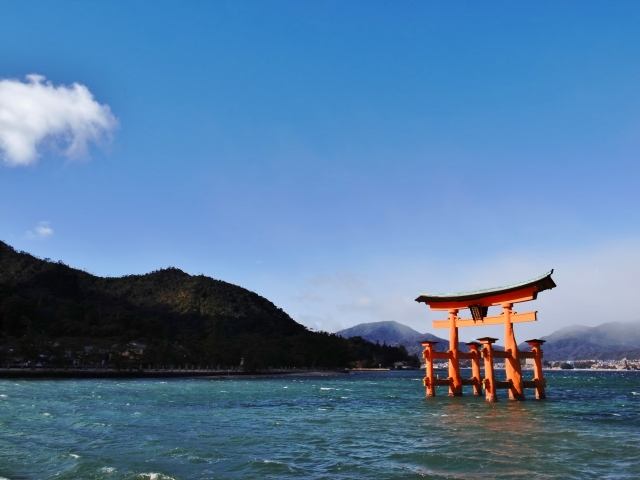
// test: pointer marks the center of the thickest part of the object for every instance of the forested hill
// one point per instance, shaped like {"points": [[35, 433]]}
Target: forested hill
{"points": [[179, 316], [182, 300]]}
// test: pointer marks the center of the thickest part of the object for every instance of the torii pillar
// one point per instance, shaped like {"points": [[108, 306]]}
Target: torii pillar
{"points": [[455, 379], [512, 366]]}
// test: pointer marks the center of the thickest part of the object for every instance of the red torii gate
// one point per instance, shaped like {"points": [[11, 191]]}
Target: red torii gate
{"points": [[478, 302]]}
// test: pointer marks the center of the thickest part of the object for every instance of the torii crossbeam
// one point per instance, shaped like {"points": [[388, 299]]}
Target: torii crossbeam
{"points": [[478, 302]]}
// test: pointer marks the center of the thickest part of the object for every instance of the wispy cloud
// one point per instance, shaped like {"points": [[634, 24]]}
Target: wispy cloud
{"points": [[324, 323], [42, 231], [596, 284], [35, 112]]}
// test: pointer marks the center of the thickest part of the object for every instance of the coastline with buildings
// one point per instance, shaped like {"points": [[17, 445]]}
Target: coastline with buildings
{"points": [[604, 365]]}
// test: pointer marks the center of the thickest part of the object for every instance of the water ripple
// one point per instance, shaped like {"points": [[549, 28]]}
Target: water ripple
{"points": [[383, 427]]}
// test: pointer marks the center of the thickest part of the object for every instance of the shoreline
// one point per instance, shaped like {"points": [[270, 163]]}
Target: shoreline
{"points": [[529, 370], [17, 373], [38, 373]]}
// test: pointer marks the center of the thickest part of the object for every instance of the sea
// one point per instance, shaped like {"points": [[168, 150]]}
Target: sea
{"points": [[356, 425]]}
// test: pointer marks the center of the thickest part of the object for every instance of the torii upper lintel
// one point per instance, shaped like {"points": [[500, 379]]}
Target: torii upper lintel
{"points": [[516, 293]]}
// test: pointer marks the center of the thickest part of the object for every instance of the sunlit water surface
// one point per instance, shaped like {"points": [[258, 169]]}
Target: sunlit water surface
{"points": [[362, 425]]}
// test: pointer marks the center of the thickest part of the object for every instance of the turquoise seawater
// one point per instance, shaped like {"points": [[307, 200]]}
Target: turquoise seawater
{"points": [[359, 425]]}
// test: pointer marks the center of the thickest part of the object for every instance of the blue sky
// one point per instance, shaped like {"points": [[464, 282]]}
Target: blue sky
{"points": [[337, 157]]}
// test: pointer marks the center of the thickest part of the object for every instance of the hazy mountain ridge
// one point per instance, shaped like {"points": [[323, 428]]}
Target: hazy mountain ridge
{"points": [[609, 341], [394, 333]]}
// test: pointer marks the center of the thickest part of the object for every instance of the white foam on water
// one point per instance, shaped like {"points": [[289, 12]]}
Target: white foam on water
{"points": [[73, 455], [107, 469], [3, 396], [323, 388], [155, 476]]}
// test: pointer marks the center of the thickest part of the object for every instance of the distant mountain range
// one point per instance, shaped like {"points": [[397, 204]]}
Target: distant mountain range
{"points": [[609, 341], [395, 334]]}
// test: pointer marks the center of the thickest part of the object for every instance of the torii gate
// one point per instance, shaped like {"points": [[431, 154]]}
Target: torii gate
{"points": [[478, 302]]}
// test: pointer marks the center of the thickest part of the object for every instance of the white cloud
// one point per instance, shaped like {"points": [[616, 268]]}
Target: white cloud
{"points": [[35, 112], [320, 323], [43, 230]]}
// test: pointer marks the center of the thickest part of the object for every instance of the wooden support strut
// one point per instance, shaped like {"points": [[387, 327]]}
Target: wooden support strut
{"points": [[489, 382], [538, 378], [474, 356], [429, 354]]}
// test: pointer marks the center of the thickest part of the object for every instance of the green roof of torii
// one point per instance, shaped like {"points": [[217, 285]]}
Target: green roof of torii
{"points": [[543, 282]]}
